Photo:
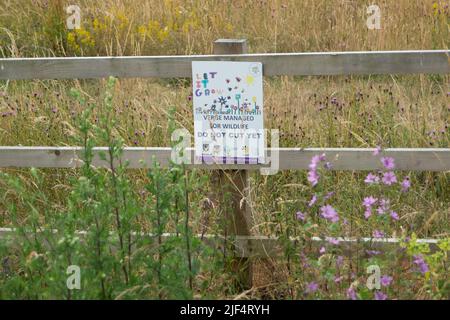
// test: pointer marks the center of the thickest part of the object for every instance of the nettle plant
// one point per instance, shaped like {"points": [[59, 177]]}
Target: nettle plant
{"points": [[113, 230], [335, 274]]}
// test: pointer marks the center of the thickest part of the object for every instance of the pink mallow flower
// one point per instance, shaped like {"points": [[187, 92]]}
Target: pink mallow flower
{"points": [[329, 213], [384, 206], [378, 234], [385, 203], [389, 178], [315, 161], [312, 201], [385, 280], [373, 252], [380, 295], [394, 215], [328, 195], [406, 184], [351, 293], [328, 165], [312, 287], [372, 178], [332, 240], [388, 163], [369, 201], [300, 216], [377, 151], [313, 177], [420, 262]]}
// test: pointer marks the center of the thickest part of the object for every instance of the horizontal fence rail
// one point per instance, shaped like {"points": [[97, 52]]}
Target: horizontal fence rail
{"points": [[416, 159], [314, 63], [259, 246]]}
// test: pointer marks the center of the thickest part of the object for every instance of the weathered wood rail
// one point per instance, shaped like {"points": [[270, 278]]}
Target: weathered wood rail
{"points": [[262, 246], [355, 159], [275, 64]]}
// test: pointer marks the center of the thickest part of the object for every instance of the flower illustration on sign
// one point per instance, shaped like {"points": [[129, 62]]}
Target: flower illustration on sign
{"points": [[249, 80], [231, 94], [237, 96], [254, 70]]}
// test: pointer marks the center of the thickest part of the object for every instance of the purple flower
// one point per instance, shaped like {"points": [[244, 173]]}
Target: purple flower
{"points": [[313, 177], [406, 184], [312, 287], [312, 201], [389, 178], [372, 178], [332, 240], [351, 293], [329, 213], [420, 262], [322, 250], [373, 252], [388, 163], [384, 206], [380, 295], [378, 234], [385, 203], [369, 201], [377, 151], [315, 161], [328, 165], [313, 165], [394, 215], [368, 212], [338, 279], [300, 216], [385, 280], [328, 195]]}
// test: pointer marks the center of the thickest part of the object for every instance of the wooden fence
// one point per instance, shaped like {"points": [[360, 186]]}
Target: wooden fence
{"points": [[357, 159], [291, 64]]}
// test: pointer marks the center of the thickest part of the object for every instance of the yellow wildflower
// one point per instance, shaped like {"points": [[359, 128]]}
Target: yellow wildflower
{"points": [[163, 34], [142, 30]]}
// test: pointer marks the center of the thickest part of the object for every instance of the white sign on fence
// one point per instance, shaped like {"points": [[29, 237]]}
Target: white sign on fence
{"points": [[228, 112]]}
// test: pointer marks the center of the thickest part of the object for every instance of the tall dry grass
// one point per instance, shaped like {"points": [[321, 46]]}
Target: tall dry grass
{"points": [[391, 111], [143, 27]]}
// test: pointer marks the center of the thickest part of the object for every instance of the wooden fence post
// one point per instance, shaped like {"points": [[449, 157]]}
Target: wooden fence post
{"points": [[236, 183]]}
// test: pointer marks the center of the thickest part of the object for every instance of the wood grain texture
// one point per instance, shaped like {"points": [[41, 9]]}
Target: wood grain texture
{"points": [[314, 63], [426, 159]]}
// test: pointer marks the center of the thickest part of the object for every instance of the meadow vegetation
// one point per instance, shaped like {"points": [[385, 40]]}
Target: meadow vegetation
{"points": [[125, 212]]}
